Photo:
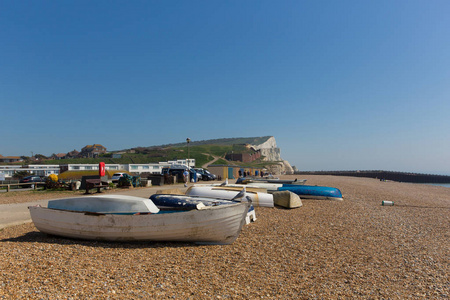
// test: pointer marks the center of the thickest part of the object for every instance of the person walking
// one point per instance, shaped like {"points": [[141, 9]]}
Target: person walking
{"points": [[186, 177]]}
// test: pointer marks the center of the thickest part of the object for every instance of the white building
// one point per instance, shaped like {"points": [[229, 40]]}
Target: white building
{"points": [[40, 170], [46, 170], [152, 168]]}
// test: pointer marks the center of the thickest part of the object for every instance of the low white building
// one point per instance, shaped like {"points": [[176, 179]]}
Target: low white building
{"points": [[46, 170], [152, 168], [40, 170], [9, 171]]}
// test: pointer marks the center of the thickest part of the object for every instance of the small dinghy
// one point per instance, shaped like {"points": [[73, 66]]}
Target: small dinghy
{"points": [[229, 192], [125, 218]]}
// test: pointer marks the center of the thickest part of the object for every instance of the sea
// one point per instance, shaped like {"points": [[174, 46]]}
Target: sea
{"points": [[439, 184]]}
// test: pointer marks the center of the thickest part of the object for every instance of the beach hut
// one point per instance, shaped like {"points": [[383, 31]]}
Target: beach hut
{"points": [[225, 171]]}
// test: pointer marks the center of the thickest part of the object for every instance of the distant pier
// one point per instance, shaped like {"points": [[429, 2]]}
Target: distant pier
{"points": [[385, 175]]}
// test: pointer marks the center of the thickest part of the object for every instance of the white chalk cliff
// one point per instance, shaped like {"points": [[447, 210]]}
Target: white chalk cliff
{"points": [[272, 153]]}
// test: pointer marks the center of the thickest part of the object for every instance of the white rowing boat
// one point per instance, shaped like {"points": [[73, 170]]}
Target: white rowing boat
{"points": [[204, 224]]}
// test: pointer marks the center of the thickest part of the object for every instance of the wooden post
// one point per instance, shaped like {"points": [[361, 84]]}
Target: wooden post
{"points": [[7, 188]]}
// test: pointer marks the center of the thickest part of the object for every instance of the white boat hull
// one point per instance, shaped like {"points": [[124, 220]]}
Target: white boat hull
{"points": [[211, 225], [224, 192], [270, 187], [236, 186]]}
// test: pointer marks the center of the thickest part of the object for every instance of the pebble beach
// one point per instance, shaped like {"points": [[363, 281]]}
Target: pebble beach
{"points": [[351, 249]]}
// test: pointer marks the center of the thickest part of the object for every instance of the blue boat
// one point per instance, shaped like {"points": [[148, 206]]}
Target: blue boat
{"points": [[313, 191], [304, 191]]}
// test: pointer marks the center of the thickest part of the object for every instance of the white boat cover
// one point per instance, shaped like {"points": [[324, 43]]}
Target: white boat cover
{"points": [[105, 204]]}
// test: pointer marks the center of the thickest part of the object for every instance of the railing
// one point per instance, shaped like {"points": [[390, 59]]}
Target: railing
{"points": [[8, 186]]}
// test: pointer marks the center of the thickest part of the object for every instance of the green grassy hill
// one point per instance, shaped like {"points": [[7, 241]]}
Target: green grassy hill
{"points": [[201, 151], [223, 142]]}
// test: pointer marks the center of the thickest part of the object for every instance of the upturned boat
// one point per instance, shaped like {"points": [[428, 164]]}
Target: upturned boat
{"points": [[313, 191], [125, 218], [304, 191], [259, 196], [229, 192]]}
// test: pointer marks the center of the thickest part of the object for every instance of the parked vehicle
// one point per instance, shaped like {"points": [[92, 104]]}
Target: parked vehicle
{"points": [[31, 179], [178, 170], [206, 175], [117, 176]]}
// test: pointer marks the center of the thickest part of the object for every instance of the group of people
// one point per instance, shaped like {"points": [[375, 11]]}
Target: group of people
{"points": [[246, 174], [241, 174]]}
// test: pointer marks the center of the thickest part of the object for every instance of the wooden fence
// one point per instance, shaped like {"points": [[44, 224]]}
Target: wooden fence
{"points": [[18, 186]]}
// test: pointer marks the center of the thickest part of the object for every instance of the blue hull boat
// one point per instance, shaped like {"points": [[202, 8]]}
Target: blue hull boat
{"points": [[304, 191], [313, 192]]}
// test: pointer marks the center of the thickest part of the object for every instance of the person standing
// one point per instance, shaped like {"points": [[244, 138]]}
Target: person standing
{"points": [[186, 177]]}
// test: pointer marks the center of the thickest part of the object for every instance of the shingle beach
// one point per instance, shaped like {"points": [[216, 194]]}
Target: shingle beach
{"points": [[351, 249]]}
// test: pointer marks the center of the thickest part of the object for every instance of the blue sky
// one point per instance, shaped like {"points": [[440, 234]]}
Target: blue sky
{"points": [[341, 85]]}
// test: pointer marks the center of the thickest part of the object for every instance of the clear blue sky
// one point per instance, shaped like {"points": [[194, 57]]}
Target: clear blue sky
{"points": [[341, 85]]}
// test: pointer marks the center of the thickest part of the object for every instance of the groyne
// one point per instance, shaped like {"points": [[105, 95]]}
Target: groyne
{"points": [[385, 175]]}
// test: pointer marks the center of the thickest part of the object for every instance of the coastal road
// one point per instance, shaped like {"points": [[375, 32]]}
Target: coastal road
{"points": [[16, 214]]}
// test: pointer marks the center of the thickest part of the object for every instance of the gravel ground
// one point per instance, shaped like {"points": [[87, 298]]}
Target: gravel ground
{"points": [[351, 249]]}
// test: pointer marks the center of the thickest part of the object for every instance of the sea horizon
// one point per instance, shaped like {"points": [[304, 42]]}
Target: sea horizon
{"points": [[381, 170], [447, 185]]}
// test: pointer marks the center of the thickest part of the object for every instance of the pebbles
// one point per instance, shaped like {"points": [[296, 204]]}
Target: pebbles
{"points": [[354, 248]]}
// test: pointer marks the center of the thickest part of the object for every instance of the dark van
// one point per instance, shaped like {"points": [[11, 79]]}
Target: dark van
{"points": [[178, 172]]}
